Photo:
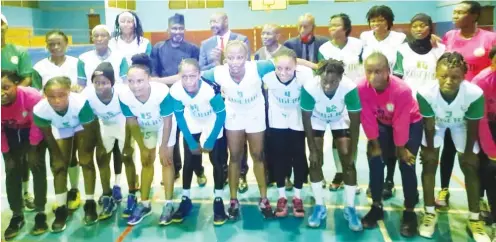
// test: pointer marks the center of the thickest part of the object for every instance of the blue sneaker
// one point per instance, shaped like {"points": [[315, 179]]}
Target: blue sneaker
{"points": [[132, 201], [319, 214], [139, 213], [117, 194], [184, 208], [167, 213], [351, 216], [108, 208]]}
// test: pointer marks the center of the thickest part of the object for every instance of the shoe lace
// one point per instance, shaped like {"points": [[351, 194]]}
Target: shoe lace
{"points": [[234, 204], [130, 201], [428, 219], [298, 204], [137, 211], [478, 227], [281, 203], [71, 195], [443, 194], [264, 204]]}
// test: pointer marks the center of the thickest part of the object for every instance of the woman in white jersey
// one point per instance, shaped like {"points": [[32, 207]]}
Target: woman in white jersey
{"points": [[88, 61], [104, 101], [201, 114], [332, 99], [128, 37], [148, 109], [286, 141], [347, 49], [382, 39], [458, 105], [67, 122]]}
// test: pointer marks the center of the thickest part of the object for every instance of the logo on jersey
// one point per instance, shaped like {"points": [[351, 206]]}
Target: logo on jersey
{"points": [[66, 124], [449, 114], [240, 94], [24, 114], [479, 52], [422, 65], [390, 107], [331, 109], [287, 93], [14, 60], [146, 115]]}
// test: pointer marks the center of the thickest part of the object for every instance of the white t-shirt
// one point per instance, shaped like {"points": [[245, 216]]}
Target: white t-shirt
{"points": [[129, 49], [108, 114], [89, 61]]}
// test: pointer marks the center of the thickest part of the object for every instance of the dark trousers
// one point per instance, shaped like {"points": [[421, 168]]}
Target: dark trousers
{"points": [[176, 158], [287, 148], [16, 160], [447, 159], [487, 174], [218, 157], [408, 175]]}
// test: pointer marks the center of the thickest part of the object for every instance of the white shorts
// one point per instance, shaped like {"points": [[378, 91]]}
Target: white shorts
{"points": [[204, 127], [153, 139], [64, 133], [319, 124], [112, 133], [459, 136], [252, 121], [285, 118]]}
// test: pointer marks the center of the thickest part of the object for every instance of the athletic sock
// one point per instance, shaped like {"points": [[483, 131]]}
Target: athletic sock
{"points": [[430, 209], [297, 193], [350, 192], [61, 199], [317, 193], [282, 192], [186, 193], [25, 187], [90, 197], [117, 181], [474, 216], [218, 193], [146, 203]]}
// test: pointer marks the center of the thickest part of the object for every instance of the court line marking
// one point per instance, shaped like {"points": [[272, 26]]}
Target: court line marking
{"points": [[384, 232], [459, 181]]}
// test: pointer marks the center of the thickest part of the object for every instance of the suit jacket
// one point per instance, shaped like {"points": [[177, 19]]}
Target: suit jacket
{"points": [[209, 44], [296, 45]]}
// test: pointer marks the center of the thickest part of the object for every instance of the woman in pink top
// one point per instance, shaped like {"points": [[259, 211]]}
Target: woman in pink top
{"points": [[486, 80], [391, 121], [474, 45], [22, 146]]}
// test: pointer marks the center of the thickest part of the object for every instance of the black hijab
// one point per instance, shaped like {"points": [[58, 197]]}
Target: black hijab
{"points": [[421, 46]]}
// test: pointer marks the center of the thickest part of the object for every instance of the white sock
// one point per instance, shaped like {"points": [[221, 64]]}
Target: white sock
{"points": [[350, 192], [474, 216], [90, 196], [297, 193], [25, 187], [74, 176], [282, 192], [218, 193], [117, 181], [337, 161], [61, 199], [146, 203], [430, 209], [317, 193], [167, 202], [186, 193]]}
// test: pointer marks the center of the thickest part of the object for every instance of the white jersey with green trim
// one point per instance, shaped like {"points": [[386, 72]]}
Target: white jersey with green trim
{"points": [[349, 54], [388, 46], [108, 114], [129, 49], [48, 69], [91, 61], [70, 119]]}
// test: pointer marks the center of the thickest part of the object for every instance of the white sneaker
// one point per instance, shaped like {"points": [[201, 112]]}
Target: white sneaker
{"points": [[478, 231], [428, 225]]}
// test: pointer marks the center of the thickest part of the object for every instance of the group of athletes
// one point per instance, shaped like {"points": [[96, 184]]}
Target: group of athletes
{"points": [[408, 95]]}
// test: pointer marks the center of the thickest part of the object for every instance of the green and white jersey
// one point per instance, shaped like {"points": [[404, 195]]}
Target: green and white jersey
{"points": [[45, 70], [468, 104], [89, 61], [417, 70], [349, 54], [284, 99], [108, 114], [388, 46], [79, 112], [132, 48], [328, 110], [16, 58]]}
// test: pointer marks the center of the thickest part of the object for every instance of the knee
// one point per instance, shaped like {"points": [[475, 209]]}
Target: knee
{"points": [[86, 160], [58, 167], [257, 156], [469, 166]]}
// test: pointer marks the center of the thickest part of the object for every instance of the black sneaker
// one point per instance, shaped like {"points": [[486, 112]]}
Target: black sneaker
{"points": [[233, 210], [243, 185], [220, 216], [61, 215], [375, 214], [16, 224], [389, 190], [409, 225], [40, 224], [337, 182], [90, 215], [73, 199], [265, 208], [184, 209]]}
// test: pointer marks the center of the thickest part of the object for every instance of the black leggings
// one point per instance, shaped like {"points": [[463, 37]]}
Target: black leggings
{"points": [[447, 159], [288, 152], [218, 157], [116, 152]]}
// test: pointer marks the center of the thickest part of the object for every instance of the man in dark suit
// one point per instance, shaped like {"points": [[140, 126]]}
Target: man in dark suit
{"points": [[210, 56], [306, 44]]}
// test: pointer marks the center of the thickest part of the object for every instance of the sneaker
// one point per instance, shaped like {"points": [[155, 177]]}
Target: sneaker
{"points": [[73, 199], [265, 208], [61, 215], [90, 215], [271, 184], [28, 202], [485, 212], [184, 208], [220, 216], [108, 208], [233, 210], [100, 200], [389, 190], [288, 184], [409, 225], [243, 185], [202, 180], [167, 213], [324, 184], [351, 216], [298, 210], [15, 225], [282, 207], [117, 194], [337, 183], [139, 213], [358, 190], [442, 200], [477, 230], [131, 204], [375, 214], [319, 213], [428, 225], [40, 224]]}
